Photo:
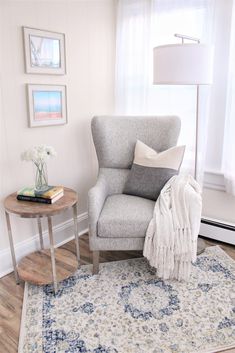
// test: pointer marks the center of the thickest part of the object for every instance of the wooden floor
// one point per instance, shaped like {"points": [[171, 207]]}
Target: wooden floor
{"points": [[11, 295]]}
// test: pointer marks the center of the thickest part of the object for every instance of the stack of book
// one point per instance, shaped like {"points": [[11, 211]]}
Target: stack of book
{"points": [[49, 196]]}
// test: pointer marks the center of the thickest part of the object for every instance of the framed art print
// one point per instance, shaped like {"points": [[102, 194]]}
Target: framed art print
{"points": [[47, 105], [44, 52]]}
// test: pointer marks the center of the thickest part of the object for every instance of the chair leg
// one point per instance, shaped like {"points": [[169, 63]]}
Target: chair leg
{"points": [[96, 255]]}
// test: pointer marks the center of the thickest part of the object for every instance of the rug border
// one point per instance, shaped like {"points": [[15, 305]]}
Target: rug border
{"points": [[216, 350], [23, 317], [25, 302], [221, 250]]}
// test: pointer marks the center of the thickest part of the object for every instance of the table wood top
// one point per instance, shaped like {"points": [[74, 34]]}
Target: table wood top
{"points": [[28, 209]]}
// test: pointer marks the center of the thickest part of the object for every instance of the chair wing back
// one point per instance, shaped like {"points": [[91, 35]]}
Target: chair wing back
{"points": [[115, 137]]}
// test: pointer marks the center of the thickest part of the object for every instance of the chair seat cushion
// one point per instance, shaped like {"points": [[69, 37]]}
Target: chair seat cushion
{"points": [[125, 216]]}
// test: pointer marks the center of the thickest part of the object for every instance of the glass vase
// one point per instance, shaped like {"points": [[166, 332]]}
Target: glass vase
{"points": [[41, 179]]}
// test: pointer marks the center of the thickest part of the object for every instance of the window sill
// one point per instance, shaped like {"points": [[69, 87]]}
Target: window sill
{"points": [[214, 180]]}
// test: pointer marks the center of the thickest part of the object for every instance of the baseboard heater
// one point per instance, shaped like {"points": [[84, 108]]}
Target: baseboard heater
{"points": [[218, 230]]}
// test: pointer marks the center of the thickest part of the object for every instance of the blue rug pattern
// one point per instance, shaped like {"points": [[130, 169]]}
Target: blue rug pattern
{"points": [[126, 309]]}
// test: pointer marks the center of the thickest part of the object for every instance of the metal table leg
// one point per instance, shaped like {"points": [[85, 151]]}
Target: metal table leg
{"points": [[52, 253], [40, 232], [75, 220], [12, 247]]}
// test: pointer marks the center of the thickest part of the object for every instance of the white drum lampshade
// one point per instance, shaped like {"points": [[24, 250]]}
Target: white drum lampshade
{"points": [[183, 64]]}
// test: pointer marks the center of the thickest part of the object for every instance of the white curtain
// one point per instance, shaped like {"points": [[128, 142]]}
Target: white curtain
{"points": [[228, 164], [142, 25]]}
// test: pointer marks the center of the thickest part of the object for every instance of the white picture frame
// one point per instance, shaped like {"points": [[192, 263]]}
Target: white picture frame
{"points": [[44, 52], [47, 105]]}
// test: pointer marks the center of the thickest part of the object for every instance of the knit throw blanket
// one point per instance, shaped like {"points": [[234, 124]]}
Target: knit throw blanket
{"points": [[171, 238]]}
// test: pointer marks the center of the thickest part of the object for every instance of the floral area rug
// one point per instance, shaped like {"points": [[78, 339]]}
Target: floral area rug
{"points": [[126, 309]]}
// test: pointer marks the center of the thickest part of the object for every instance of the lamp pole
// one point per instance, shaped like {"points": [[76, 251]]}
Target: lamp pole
{"points": [[181, 64], [197, 133], [183, 37], [201, 243]]}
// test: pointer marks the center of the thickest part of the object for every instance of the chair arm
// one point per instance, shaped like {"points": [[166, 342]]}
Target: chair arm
{"points": [[96, 198]]}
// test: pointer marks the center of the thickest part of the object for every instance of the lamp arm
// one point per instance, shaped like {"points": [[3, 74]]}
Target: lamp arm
{"points": [[183, 36]]}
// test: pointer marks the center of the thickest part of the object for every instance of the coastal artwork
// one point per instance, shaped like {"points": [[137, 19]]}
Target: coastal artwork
{"points": [[45, 52], [47, 105]]}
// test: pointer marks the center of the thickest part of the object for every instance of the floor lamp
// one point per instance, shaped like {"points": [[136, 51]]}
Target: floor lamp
{"points": [[185, 64]]}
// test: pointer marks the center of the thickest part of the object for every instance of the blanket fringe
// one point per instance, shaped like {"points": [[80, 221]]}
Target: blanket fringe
{"points": [[171, 238]]}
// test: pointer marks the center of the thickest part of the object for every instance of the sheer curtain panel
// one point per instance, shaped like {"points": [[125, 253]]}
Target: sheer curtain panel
{"points": [[142, 25], [228, 165]]}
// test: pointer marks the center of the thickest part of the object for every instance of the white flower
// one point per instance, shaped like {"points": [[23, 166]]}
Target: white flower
{"points": [[50, 151], [38, 154]]}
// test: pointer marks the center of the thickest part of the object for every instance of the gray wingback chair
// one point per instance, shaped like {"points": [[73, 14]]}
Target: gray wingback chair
{"points": [[118, 221]]}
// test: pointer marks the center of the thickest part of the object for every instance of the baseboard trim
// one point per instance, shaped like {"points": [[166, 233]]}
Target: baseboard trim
{"points": [[218, 230], [218, 224], [63, 233], [67, 240]]}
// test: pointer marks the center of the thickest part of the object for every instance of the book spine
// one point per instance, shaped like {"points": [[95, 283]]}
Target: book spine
{"points": [[33, 199]]}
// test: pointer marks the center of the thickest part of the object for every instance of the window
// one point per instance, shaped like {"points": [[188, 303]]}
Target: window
{"points": [[142, 25]]}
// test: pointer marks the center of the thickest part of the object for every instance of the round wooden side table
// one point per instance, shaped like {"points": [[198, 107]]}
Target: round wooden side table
{"points": [[47, 265]]}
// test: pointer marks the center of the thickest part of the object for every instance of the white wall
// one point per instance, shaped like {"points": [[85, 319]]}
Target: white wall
{"points": [[89, 27], [222, 21], [217, 204]]}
